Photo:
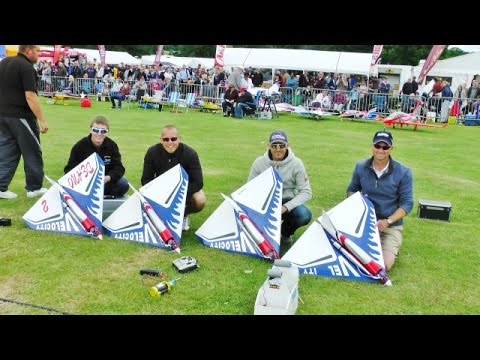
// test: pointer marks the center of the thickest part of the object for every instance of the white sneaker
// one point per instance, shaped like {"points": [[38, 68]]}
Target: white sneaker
{"points": [[186, 224], [7, 195], [38, 192]]}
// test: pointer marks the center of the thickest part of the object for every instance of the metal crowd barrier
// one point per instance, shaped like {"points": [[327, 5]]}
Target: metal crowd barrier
{"points": [[435, 107]]}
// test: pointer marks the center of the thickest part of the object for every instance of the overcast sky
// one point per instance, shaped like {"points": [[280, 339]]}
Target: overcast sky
{"points": [[467, 48]]}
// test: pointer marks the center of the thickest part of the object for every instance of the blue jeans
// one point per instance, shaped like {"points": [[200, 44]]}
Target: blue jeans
{"points": [[239, 109], [117, 188], [294, 219], [117, 96]]}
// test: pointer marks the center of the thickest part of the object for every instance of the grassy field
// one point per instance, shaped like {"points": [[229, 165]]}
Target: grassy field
{"points": [[437, 271]]}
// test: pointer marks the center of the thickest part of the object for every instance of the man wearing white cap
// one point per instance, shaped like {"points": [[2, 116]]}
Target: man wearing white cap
{"points": [[389, 186], [296, 186]]}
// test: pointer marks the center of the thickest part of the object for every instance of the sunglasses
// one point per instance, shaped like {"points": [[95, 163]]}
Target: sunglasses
{"points": [[278, 146], [384, 147], [101, 131], [172, 139]]}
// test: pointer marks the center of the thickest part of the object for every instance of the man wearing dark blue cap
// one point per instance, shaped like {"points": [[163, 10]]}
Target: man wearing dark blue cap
{"points": [[296, 186], [389, 186]]}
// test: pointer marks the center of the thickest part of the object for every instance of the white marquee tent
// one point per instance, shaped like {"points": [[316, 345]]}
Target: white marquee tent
{"points": [[111, 57], [178, 61], [288, 59], [461, 69], [294, 59]]}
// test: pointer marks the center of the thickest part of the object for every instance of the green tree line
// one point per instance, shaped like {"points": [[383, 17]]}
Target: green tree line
{"points": [[391, 54]]}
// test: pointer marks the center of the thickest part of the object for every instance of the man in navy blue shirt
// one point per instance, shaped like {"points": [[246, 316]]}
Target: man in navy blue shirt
{"points": [[389, 186]]}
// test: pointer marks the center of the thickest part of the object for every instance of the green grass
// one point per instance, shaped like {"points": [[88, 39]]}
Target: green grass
{"points": [[437, 271]]}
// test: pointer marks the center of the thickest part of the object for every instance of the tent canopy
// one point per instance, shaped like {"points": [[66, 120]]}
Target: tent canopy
{"points": [[111, 57], [292, 59], [178, 61], [461, 69], [467, 64]]}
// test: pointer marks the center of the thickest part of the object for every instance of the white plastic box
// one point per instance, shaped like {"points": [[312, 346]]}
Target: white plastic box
{"points": [[264, 115]]}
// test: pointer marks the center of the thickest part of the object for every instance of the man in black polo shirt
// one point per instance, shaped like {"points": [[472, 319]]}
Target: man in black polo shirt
{"points": [[167, 154], [19, 130]]}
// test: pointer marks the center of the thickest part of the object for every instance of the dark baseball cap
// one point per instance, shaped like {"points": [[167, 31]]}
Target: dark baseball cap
{"points": [[383, 136], [278, 136]]}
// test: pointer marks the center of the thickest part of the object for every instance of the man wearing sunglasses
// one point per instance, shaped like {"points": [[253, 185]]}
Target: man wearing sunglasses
{"points": [[98, 141], [296, 185], [389, 186], [167, 154]]}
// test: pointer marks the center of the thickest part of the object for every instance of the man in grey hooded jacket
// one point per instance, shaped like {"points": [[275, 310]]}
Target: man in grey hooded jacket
{"points": [[296, 186]]}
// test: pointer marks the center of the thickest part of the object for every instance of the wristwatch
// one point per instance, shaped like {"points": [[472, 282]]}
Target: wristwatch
{"points": [[389, 221]]}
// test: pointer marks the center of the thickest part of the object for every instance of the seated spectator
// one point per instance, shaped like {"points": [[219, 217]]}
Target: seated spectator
{"points": [[243, 102], [121, 95], [339, 101], [86, 85], [322, 101], [141, 87], [229, 98], [476, 107], [155, 84], [117, 84], [69, 88]]}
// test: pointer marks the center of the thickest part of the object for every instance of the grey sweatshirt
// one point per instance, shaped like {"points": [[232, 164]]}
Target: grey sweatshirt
{"points": [[296, 185]]}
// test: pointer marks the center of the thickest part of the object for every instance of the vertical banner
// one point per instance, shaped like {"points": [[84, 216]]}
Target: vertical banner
{"points": [[56, 52], [3, 52], [158, 55], [377, 50], [219, 55], [101, 50], [431, 60]]}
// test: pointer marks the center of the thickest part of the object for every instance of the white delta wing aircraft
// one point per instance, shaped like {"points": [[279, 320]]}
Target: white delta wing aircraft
{"points": [[153, 215], [74, 204], [249, 221], [342, 243]]}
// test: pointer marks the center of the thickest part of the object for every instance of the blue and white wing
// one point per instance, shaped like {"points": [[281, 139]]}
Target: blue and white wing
{"points": [[314, 252], [167, 195], [84, 184], [261, 201], [130, 222]]}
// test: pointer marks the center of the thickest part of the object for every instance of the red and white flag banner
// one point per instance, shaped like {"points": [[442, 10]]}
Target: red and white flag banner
{"points": [[377, 50], [158, 55], [219, 55], [431, 60], [57, 49], [101, 50]]}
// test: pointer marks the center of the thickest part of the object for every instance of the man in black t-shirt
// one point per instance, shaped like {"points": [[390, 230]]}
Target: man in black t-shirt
{"points": [[19, 129]]}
